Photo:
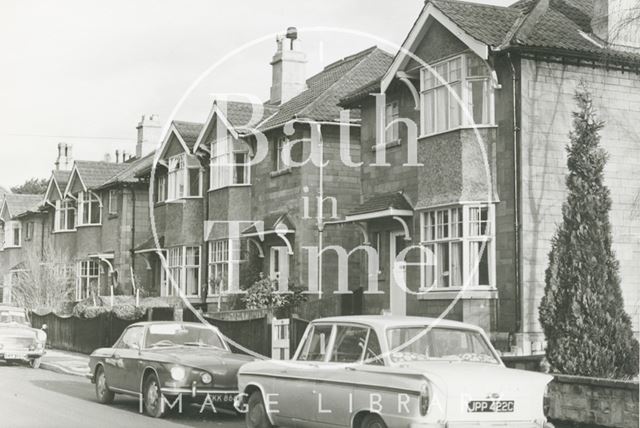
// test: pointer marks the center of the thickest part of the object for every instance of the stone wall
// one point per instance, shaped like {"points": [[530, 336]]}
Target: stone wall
{"points": [[600, 402]]}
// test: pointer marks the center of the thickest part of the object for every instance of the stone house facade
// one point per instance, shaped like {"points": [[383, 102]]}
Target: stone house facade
{"points": [[490, 91]]}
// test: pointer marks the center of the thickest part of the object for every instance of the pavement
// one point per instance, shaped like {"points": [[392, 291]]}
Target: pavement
{"points": [[65, 362], [50, 399]]}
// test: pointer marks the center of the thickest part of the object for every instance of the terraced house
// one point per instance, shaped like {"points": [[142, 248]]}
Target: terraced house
{"points": [[490, 90]]}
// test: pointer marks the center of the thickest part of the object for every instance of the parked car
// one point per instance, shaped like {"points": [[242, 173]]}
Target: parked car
{"points": [[384, 371], [18, 340], [161, 362]]}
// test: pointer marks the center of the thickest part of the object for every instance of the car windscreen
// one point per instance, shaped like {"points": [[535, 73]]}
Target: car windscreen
{"points": [[7, 317], [168, 335], [409, 344]]}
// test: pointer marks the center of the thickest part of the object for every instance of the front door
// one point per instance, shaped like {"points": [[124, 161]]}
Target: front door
{"points": [[398, 275]]}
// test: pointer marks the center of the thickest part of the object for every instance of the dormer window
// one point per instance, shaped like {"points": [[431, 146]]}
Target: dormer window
{"points": [[228, 167], [89, 209], [184, 179], [463, 81], [65, 216], [13, 234]]}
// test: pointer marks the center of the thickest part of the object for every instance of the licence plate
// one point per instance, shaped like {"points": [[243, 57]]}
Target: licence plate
{"points": [[490, 406], [223, 398], [14, 356]]}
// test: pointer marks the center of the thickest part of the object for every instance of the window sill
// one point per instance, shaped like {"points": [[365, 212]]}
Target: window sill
{"points": [[452, 293], [386, 146], [112, 216], [459, 128], [280, 172], [181, 200], [12, 247], [228, 186], [64, 231], [89, 225]]}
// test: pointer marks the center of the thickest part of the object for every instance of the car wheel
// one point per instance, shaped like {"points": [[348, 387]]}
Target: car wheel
{"points": [[103, 393], [256, 416], [152, 396], [372, 421], [35, 363]]}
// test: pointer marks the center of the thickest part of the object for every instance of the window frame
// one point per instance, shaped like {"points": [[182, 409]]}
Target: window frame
{"points": [[84, 203], [222, 165], [13, 226], [462, 79], [394, 130], [113, 202], [279, 253], [179, 179], [430, 237], [177, 268], [62, 209], [86, 271]]}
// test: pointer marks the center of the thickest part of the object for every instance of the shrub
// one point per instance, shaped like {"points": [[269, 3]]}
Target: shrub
{"points": [[582, 311]]}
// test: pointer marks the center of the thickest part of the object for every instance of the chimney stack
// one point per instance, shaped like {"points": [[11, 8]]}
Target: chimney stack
{"points": [[149, 129], [288, 68], [64, 161], [117, 156], [616, 22]]}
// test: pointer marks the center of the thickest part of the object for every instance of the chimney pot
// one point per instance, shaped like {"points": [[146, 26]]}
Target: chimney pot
{"points": [[288, 68]]}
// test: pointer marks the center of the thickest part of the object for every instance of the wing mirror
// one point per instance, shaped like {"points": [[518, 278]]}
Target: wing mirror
{"points": [[44, 327]]}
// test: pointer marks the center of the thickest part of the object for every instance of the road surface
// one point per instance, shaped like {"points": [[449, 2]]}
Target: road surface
{"points": [[42, 399]]}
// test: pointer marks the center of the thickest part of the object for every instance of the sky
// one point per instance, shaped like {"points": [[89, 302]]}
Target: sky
{"points": [[83, 72]]}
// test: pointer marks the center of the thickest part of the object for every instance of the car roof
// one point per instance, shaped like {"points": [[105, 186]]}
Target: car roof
{"points": [[384, 321]]}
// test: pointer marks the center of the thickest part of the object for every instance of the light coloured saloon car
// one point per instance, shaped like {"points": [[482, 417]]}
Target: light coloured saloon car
{"points": [[383, 371], [18, 340]]}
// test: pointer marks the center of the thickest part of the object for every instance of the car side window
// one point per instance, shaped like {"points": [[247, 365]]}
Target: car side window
{"points": [[317, 344], [373, 351], [349, 344], [131, 339]]}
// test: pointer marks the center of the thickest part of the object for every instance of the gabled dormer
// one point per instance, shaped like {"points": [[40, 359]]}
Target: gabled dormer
{"points": [[184, 173], [64, 206]]}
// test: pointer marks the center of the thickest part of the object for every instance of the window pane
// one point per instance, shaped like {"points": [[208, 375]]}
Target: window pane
{"points": [[240, 175], [456, 264], [476, 67], [194, 182], [477, 101], [349, 344], [443, 265], [373, 350], [429, 272], [192, 281], [442, 108], [316, 345], [479, 263], [455, 70], [95, 212], [428, 108], [455, 107]]}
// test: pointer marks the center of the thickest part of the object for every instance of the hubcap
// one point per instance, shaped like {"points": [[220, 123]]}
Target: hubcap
{"points": [[152, 395], [102, 384]]}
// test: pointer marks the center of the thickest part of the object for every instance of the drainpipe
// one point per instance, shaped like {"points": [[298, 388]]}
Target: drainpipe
{"points": [[516, 194], [133, 232], [42, 239]]}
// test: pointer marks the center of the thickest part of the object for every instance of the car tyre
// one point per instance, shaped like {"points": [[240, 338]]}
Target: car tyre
{"points": [[35, 363], [152, 397], [372, 421], [256, 416], [103, 394]]}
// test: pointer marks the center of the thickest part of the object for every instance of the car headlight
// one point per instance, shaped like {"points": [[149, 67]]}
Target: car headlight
{"points": [[206, 378], [178, 373], [424, 399], [41, 336]]}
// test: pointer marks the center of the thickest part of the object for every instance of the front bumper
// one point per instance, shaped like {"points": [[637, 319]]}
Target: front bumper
{"points": [[216, 396], [496, 424], [20, 354]]}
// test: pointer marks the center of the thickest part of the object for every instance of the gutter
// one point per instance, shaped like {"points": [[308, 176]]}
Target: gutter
{"points": [[516, 194]]}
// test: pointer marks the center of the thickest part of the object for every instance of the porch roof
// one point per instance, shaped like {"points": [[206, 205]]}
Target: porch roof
{"points": [[382, 205], [149, 245], [278, 223]]}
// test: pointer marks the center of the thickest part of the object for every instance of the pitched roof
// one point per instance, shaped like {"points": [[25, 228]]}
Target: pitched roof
{"points": [[189, 131], [324, 90], [130, 173], [19, 204], [360, 93], [563, 25], [487, 23], [383, 202], [3, 191], [62, 178], [94, 173]]}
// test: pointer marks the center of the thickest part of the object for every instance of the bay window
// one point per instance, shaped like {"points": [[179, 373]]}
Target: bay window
{"points": [[89, 209], [459, 247], [160, 189], [184, 271], [455, 86], [222, 254], [228, 167], [184, 178], [88, 278]]}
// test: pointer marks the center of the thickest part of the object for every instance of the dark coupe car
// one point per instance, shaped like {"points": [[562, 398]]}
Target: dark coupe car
{"points": [[161, 362]]}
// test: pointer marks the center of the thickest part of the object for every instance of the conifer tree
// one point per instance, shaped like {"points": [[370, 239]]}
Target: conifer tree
{"points": [[582, 312]]}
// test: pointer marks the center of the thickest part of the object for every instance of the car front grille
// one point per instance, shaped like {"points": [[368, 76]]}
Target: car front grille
{"points": [[15, 342], [493, 424]]}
